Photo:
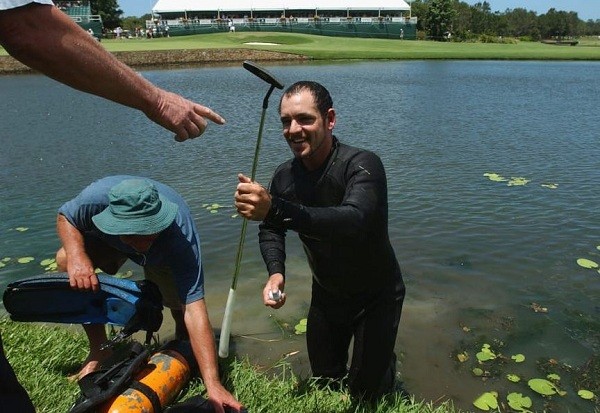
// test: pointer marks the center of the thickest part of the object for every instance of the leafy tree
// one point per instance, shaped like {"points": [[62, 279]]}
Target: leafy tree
{"points": [[462, 24], [130, 23], [472, 21], [418, 9], [591, 27], [483, 21], [109, 11], [559, 24], [440, 15], [521, 23]]}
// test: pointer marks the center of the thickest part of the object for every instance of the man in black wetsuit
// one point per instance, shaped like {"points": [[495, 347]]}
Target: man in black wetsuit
{"points": [[335, 197]]}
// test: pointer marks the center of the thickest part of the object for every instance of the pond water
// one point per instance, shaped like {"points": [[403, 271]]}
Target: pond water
{"points": [[475, 253]]}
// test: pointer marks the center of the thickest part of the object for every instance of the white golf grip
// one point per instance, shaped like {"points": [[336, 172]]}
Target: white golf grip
{"points": [[226, 326]]}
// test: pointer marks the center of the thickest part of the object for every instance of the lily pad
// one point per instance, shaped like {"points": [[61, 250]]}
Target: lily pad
{"points": [[487, 401], [213, 208], [542, 386], [47, 262], [6, 259], [550, 186], [517, 181], [586, 394], [513, 377], [2, 264], [585, 263], [518, 358], [477, 371], [25, 260], [517, 402], [301, 326], [21, 229], [494, 177], [485, 354]]}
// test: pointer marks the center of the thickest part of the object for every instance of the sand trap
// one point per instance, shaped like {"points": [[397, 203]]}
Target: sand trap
{"points": [[262, 44]]}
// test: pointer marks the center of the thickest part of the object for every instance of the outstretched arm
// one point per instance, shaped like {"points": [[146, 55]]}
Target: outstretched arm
{"points": [[46, 39], [203, 345]]}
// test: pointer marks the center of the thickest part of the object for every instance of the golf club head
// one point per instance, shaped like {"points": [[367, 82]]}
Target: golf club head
{"points": [[262, 73]]}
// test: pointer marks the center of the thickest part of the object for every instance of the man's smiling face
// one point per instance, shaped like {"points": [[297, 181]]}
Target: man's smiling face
{"points": [[305, 129]]}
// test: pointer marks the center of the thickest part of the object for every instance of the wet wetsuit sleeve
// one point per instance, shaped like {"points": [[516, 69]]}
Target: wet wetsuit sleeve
{"points": [[271, 238], [272, 248], [364, 189]]}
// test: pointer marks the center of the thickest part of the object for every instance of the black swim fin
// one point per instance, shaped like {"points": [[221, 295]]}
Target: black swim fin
{"points": [[99, 386]]}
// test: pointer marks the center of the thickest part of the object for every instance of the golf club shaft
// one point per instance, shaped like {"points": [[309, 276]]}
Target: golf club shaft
{"points": [[238, 259], [227, 317]]}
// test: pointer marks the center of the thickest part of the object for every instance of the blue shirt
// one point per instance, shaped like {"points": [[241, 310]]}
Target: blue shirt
{"points": [[177, 247]]}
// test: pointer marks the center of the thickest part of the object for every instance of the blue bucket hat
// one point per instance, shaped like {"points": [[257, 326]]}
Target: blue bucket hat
{"points": [[135, 208]]}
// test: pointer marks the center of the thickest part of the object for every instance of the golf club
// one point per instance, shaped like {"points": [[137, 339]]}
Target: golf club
{"points": [[226, 326]]}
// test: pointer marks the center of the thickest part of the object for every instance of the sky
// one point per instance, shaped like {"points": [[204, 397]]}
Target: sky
{"points": [[586, 9]]}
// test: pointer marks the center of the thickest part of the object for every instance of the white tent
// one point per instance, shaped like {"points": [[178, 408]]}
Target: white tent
{"points": [[171, 6]]}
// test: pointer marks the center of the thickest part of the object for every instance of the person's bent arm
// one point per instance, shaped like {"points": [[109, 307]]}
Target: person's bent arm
{"points": [[360, 210], [78, 264], [203, 344], [46, 39]]}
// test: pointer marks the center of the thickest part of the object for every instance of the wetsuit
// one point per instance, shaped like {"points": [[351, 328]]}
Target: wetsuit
{"points": [[13, 397], [341, 215]]}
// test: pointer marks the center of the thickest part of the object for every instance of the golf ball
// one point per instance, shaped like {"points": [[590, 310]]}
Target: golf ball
{"points": [[275, 295]]}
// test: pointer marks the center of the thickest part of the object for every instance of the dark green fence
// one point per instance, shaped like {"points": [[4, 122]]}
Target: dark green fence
{"points": [[381, 28]]}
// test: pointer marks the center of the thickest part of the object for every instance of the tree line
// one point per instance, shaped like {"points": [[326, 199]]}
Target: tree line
{"points": [[454, 19]]}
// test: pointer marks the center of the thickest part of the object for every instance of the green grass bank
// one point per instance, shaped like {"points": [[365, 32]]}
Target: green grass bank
{"points": [[223, 48], [43, 357]]}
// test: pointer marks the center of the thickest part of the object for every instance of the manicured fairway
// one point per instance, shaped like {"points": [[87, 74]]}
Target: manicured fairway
{"points": [[330, 48]]}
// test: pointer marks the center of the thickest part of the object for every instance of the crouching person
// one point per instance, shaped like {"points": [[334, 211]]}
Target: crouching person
{"points": [[125, 217]]}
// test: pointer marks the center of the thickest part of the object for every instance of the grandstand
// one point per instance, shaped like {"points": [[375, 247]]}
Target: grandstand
{"points": [[357, 18], [81, 12]]}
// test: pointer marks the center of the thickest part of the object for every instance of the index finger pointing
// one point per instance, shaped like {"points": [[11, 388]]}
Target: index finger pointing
{"points": [[209, 114]]}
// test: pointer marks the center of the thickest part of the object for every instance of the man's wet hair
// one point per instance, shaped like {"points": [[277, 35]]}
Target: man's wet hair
{"points": [[320, 94]]}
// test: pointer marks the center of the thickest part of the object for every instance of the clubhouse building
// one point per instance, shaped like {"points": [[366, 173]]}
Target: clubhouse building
{"points": [[348, 18]]}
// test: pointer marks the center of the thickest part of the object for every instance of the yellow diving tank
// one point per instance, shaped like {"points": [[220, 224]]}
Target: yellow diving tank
{"points": [[158, 383]]}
